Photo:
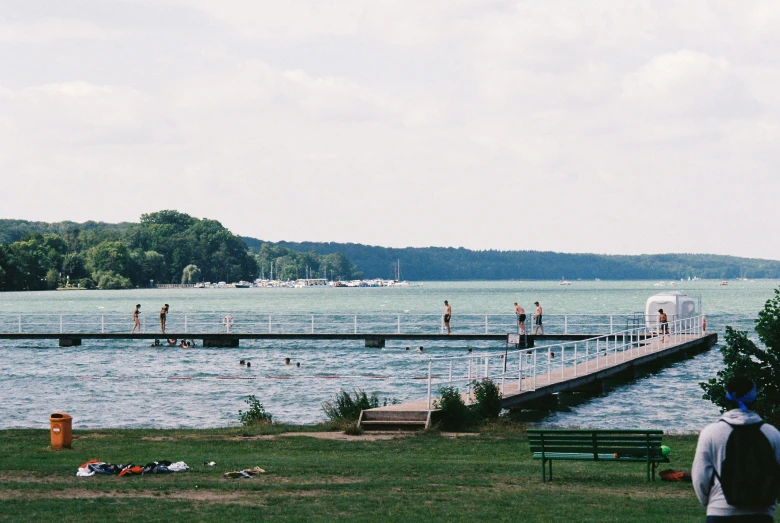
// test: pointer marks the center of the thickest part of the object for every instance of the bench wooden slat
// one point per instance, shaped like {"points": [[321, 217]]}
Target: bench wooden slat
{"points": [[634, 451], [602, 457], [587, 437], [591, 431]]}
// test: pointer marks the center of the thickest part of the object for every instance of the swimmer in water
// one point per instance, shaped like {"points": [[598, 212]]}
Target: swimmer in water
{"points": [[242, 362], [287, 361]]}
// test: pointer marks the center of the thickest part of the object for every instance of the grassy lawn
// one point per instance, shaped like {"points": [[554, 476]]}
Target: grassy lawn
{"points": [[422, 477]]}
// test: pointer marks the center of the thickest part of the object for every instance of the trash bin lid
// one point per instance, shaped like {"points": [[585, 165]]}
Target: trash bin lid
{"points": [[59, 416]]}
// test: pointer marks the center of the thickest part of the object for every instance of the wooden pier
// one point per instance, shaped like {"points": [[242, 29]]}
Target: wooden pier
{"points": [[231, 339], [538, 389]]}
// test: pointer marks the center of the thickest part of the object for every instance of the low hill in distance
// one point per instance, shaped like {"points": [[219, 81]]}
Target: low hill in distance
{"points": [[295, 259], [447, 263]]}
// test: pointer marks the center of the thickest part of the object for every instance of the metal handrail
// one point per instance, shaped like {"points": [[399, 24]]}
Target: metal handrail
{"points": [[594, 352], [300, 322]]}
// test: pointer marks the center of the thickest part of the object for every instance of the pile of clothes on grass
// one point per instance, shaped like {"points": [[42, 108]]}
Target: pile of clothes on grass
{"points": [[92, 467]]}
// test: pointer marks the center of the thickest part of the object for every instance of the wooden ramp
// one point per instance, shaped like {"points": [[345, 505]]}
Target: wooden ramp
{"points": [[535, 387]]}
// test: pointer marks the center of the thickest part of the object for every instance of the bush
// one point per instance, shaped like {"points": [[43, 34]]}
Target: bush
{"points": [[85, 283], [742, 357], [256, 413], [487, 396], [110, 280], [348, 407], [454, 415], [353, 430]]}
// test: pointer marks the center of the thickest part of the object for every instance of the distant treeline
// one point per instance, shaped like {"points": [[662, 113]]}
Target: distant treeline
{"points": [[445, 263], [165, 247], [173, 247]]}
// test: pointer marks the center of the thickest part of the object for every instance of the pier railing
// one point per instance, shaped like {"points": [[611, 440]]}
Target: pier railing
{"points": [[307, 323], [526, 369]]}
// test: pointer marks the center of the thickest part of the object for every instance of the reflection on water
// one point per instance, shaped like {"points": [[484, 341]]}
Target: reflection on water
{"points": [[130, 384]]}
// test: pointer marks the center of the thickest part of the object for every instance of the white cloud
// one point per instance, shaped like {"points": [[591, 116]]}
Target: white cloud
{"points": [[47, 31], [488, 124]]}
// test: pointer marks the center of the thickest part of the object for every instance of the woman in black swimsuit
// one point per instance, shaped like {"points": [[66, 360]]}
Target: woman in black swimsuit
{"points": [[136, 320], [163, 317]]}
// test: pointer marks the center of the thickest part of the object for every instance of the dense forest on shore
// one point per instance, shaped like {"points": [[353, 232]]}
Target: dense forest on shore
{"points": [[173, 247], [165, 247], [447, 263]]}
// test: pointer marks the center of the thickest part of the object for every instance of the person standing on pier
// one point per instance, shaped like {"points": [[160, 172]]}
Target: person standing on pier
{"points": [[163, 317], [663, 321], [538, 319], [447, 315], [520, 311], [136, 319]]}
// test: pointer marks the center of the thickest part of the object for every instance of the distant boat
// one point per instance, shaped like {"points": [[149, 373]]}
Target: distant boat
{"points": [[564, 282], [659, 284], [597, 279], [724, 283], [242, 285]]}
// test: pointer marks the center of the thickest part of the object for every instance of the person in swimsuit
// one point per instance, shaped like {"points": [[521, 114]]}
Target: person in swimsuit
{"points": [[520, 311], [136, 319], [163, 317], [663, 320], [447, 315], [538, 319]]}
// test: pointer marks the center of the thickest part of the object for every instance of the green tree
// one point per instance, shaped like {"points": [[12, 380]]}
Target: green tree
{"points": [[154, 267], [109, 256], [73, 266], [190, 274], [52, 278], [759, 362]]}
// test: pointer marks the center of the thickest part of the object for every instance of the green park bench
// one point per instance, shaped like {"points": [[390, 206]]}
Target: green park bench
{"points": [[615, 446]]}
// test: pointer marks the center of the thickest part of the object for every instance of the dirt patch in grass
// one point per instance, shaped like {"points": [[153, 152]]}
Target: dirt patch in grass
{"points": [[207, 496], [337, 436], [23, 476], [95, 435]]}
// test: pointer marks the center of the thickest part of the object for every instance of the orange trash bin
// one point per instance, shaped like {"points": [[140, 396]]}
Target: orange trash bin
{"points": [[60, 425]]}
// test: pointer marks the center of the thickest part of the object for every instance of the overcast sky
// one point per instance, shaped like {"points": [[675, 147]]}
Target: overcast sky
{"points": [[601, 126]]}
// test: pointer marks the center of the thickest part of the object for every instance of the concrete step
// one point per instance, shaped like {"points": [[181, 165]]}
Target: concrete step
{"points": [[394, 420], [394, 415]]}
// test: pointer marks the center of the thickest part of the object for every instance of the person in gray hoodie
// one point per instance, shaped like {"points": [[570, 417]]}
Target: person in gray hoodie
{"points": [[711, 451]]}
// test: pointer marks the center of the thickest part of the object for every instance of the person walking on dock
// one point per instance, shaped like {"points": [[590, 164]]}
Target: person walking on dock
{"points": [[663, 321], [136, 319], [736, 469], [520, 311], [163, 317], [538, 319], [447, 315]]}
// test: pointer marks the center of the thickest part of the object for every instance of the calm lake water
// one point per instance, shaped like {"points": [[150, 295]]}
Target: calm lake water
{"points": [[130, 384]]}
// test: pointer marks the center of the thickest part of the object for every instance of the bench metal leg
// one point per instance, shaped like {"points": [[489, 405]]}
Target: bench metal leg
{"points": [[551, 470], [548, 463]]}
